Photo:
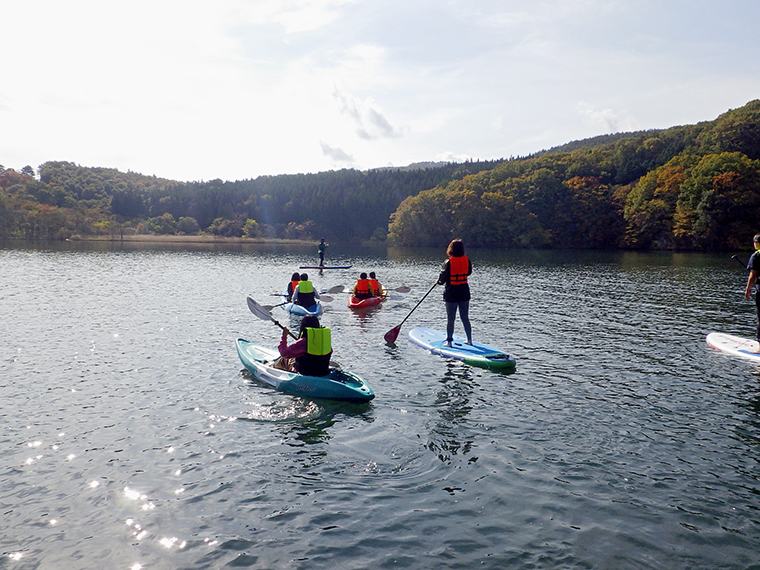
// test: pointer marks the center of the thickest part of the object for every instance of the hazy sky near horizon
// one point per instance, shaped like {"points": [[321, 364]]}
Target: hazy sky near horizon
{"points": [[236, 89]]}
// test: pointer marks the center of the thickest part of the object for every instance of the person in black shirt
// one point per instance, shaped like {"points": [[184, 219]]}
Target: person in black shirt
{"points": [[753, 266]]}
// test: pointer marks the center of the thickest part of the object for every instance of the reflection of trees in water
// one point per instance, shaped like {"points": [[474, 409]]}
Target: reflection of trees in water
{"points": [[448, 435]]}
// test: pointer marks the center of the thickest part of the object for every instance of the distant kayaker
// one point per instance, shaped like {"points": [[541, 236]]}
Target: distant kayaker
{"points": [[456, 269], [305, 294], [753, 266], [321, 248], [310, 354], [375, 284], [363, 288], [294, 279]]}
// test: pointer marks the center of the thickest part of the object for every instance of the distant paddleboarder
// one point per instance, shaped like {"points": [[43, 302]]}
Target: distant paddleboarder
{"points": [[321, 248]]}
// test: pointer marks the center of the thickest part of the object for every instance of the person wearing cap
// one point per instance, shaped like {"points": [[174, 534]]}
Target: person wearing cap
{"points": [[753, 266]]}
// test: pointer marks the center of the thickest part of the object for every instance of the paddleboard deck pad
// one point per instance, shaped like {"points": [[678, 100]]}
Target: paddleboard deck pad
{"points": [[477, 354], [734, 345], [320, 267]]}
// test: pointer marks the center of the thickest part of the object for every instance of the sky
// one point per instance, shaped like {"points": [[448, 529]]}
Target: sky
{"points": [[196, 90]]}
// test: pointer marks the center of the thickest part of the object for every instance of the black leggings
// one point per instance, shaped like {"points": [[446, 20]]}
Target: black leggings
{"points": [[464, 314], [757, 304]]}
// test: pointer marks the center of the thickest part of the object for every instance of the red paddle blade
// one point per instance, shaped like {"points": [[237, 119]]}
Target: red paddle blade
{"points": [[392, 334]]}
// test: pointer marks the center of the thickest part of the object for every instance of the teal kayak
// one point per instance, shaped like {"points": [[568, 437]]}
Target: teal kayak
{"points": [[476, 354], [337, 385]]}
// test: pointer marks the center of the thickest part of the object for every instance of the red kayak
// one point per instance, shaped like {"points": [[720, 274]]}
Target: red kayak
{"points": [[356, 303]]}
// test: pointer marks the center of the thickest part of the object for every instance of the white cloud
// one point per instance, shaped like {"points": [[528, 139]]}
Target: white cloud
{"points": [[607, 120], [190, 90], [366, 116], [338, 156]]}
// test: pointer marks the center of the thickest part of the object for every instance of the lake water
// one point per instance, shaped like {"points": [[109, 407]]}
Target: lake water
{"points": [[133, 438]]}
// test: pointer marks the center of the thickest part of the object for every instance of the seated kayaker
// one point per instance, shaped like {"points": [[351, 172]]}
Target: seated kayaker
{"points": [[363, 289], [310, 354], [294, 279], [305, 294], [375, 284]]}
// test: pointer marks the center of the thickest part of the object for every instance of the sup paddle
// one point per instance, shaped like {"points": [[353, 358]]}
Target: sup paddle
{"points": [[392, 335], [736, 257], [263, 314]]}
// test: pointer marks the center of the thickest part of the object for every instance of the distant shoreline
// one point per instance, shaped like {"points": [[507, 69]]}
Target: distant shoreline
{"points": [[206, 239], [190, 239]]}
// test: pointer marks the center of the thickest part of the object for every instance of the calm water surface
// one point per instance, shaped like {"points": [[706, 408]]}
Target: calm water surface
{"points": [[133, 438]]}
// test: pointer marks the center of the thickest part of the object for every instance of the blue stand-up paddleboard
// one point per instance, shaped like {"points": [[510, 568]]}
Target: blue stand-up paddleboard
{"points": [[735, 345], [337, 385], [477, 354]]}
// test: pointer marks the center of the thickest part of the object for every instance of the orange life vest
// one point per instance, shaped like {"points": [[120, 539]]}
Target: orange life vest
{"points": [[458, 269], [362, 287], [375, 286]]}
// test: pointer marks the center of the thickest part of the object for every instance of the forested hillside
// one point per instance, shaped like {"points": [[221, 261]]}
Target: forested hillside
{"points": [[70, 200], [687, 187], [690, 187]]}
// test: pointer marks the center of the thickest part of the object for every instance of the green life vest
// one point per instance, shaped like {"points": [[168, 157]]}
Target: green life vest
{"points": [[316, 361], [318, 341], [305, 287]]}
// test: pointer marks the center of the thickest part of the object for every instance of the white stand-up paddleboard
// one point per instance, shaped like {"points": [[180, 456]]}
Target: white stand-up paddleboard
{"points": [[735, 345]]}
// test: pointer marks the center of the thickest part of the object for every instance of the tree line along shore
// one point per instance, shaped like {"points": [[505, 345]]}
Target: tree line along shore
{"points": [[692, 187]]}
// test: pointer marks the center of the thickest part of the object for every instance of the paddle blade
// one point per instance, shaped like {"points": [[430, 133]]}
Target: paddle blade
{"points": [[402, 289], [258, 310], [336, 289], [326, 298], [392, 335]]}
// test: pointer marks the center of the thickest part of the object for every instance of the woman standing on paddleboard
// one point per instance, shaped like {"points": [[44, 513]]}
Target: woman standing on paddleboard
{"points": [[456, 269]]}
